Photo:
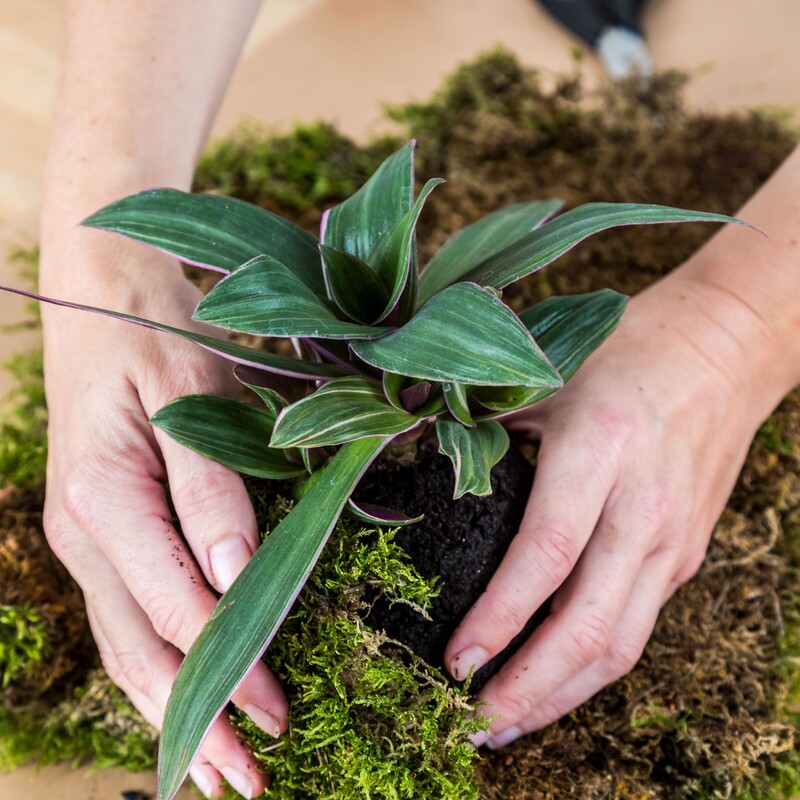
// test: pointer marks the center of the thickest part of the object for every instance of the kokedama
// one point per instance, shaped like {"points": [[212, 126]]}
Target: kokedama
{"points": [[383, 351]]}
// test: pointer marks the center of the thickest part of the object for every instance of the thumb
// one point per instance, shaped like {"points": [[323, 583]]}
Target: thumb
{"points": [[214, 510]]}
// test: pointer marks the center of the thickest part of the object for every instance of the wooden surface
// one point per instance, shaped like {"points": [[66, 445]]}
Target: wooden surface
{"points": [[341, 60]]}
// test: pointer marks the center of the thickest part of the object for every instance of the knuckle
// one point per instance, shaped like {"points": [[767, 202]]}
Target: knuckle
{"points": [[554, 552], [505, 614], [513, 702], [130, 670], [197, 498], [614, 428], [171, 621], [623, 654], [590, 637]]}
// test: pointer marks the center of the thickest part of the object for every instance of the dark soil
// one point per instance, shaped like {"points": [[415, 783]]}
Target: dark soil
{"points": [[460, 541]]}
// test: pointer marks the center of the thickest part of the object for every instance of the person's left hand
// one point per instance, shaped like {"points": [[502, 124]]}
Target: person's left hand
{"points": [[639, 453]]}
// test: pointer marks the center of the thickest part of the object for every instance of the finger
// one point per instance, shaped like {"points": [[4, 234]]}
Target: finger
{"points": [[132, 528], [578, 630], [626, 644], [215, 512], [552, 536], [144, 667]]}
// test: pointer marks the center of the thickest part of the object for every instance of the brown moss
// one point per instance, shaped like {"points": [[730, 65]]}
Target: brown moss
{"points": [[30, 574]]}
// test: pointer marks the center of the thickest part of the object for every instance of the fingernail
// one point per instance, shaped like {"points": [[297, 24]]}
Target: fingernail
{"points": [[479, 739], [202, 781], [241, 783], [471, 658], [504, 738], [228, 558], [263, 719]]}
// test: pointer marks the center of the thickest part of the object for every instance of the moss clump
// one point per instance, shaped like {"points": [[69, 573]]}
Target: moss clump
{"points": [[312, 167], [368, 718], [96, 722], [23, 642]]}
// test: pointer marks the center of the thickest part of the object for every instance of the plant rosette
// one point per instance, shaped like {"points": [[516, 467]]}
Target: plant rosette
{"points": [[384, 350]]}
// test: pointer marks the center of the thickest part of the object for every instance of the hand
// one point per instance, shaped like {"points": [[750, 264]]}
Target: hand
{"points": [[639, 453], [148, 589]]}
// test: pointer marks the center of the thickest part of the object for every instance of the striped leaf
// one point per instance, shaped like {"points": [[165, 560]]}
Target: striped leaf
{"points": [[233, 433], [357, 224], [342, 410], [394, 254], [483, 238], [456, 397], [353, 285], [474, 452], [246, 618], [570, 328], [463, 334], [239, 354], [219, 233], [554, 238], [265, 298]]}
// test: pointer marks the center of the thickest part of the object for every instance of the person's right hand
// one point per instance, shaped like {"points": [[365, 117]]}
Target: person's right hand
{"points": [[149, 590]]}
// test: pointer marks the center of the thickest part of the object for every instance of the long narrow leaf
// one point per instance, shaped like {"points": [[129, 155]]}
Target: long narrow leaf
{"points": [[342, 410], [473, 451], [233, 433], [265, 298], [244, 622], [483, 238], [570, 328], [392, 255], [219, 233], [353, 285], [359, 222], [463, 334], [554, 238], [249, 356]]}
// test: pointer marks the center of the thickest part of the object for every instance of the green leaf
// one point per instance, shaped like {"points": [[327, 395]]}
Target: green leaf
{"points": [[456, 397], [248, 356], [473, 451], [212, 231], [463, 334], [380, 515], [234, 434], [570, 328], [340, 411], [483, 238], [359, 222], [265, 298], [392, 256], [554, 238], [246, 618], [275, 391], [502, 400], [353, 285]]}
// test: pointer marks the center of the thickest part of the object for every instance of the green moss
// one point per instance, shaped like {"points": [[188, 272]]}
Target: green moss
{"points": [[23, 642], [97, 724], [310, 167], [368, 719], [23, 430]]}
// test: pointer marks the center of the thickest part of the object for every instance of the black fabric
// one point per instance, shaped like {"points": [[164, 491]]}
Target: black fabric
{"points": [[587, 18]]}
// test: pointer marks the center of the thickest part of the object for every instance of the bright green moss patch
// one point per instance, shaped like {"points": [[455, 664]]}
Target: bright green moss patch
{"points": [[23, 641], [368, 719], [312, 167]]}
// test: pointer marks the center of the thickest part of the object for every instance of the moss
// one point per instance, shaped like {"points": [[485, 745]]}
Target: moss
{"points": [[95, 723], [368, 718], [713, 710], [310, 168], [23, 642], [23, 430]]}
